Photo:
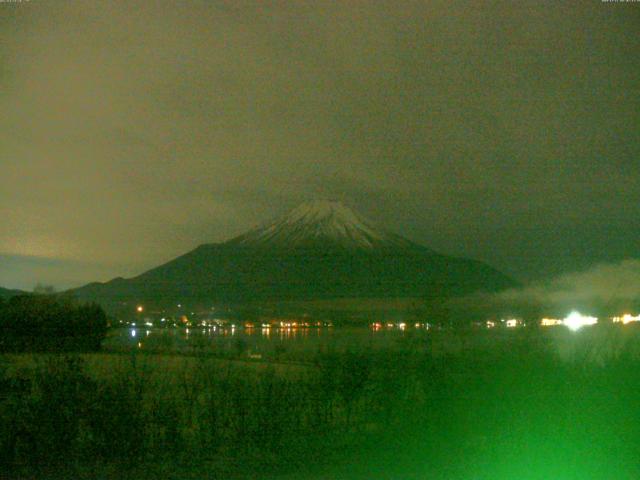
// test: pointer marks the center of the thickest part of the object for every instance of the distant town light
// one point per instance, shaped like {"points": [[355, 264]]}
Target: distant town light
{"points": [[490, 324], [626, 318], [575, 321], [550, 322], [139, 309], [511, 322]]}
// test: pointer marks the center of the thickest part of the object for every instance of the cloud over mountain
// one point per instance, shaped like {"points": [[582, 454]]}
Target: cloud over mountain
{"points": [[606, 289]]}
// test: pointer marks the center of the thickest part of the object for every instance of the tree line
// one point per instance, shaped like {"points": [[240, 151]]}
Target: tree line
{"points": [[36, 322]]}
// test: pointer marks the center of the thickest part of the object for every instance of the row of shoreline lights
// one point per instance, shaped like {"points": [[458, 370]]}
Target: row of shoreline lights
{"points": [[574, 321], [626, 318]]}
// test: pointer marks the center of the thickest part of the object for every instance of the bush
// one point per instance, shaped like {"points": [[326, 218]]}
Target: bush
{"points": [[50, 323], [197, 417], [41, 415]]}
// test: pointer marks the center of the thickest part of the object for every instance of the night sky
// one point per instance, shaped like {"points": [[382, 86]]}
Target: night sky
{"points": [[133, 131]]}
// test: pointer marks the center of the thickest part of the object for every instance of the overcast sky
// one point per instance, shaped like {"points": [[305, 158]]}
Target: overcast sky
{"points": [[133, 131]]}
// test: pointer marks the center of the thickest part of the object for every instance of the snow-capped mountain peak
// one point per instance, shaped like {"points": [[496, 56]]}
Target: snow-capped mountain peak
{"points": [[321, 223]]}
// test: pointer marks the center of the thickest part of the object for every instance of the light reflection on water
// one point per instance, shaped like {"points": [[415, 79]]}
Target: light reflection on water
{"points": [[251, 340], [590, 344]]}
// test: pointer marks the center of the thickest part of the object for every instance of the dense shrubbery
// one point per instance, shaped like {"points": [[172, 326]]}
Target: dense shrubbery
{"points": [[494, 413], [50, 323], [60, 417]]}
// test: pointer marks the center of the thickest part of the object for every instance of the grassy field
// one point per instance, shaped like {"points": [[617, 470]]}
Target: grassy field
{"points": [[463, 405]]}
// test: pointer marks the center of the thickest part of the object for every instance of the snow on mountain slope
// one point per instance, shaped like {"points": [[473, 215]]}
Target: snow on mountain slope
{"points": [[321, 223]]}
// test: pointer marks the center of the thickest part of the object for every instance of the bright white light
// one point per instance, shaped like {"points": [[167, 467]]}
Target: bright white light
{"points": [[133, 332], [626, 318], [511, 323], [140, 308], [576, 321]]}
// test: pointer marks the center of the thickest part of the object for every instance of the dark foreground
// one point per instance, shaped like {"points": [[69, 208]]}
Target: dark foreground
{"points": [[524, 406]]}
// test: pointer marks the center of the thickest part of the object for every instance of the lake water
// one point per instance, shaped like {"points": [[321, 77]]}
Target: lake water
{"points": [[591, 344], [258, 342]]}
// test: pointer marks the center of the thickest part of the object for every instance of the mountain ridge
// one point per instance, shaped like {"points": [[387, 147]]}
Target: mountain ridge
{"points": [[8, 292], [317, 251]]}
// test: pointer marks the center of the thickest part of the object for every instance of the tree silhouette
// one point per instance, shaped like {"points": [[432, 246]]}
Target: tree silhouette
{"points": [[50, 323]]}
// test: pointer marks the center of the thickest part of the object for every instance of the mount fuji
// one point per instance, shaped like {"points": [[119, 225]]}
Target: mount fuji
{"points": [[321, 223], [319, 251]]}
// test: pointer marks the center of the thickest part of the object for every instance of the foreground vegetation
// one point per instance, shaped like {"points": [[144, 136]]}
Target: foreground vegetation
{"points": [[513, 409]]}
